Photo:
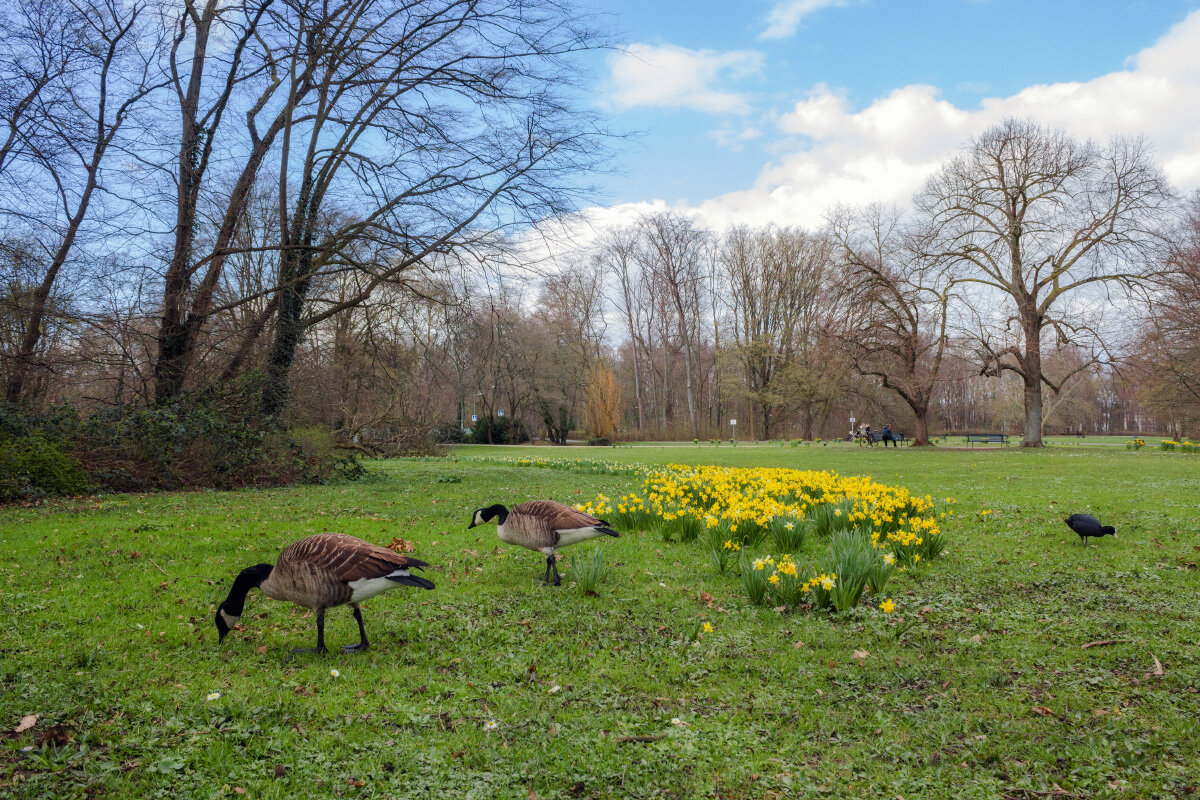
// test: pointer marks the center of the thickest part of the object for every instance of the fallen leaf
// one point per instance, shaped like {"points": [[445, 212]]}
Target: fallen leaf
{"points": [[532, 795], [261, 650], [1101, 643], [798, 645], [862, 654], [977, 638], [1158, 667], [399, 545], [1042, 711], [26, 723], [56, 735]]}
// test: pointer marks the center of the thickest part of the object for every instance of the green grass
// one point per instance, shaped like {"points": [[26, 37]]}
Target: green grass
{"points": [[978, 686]]}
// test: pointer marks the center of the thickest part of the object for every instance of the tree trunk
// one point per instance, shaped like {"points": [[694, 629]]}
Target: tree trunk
{"points": [[691, 392], [921, 435], [637, 389], [1032, 368], [289, 329]]}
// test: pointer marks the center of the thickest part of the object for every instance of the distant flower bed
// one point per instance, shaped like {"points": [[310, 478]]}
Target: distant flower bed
{"points": [[584, 466], [1135, 444], [1182, 446], [872, 528]]}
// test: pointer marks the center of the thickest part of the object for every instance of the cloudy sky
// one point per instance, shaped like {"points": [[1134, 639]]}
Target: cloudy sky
{"points": [[773, 110]]}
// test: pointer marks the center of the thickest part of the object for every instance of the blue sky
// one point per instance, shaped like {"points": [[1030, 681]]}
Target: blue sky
{"points": [[733, 109]]}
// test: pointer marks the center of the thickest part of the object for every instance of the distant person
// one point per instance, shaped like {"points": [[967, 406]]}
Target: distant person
{"points": [[886, 436]]}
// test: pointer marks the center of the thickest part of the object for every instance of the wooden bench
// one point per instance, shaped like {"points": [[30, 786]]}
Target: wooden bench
{"points": [[988, 438], [875, 437]]}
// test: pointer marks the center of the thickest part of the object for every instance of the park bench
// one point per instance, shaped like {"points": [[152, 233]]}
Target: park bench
{"points": [[988, 438], [877, 436]]}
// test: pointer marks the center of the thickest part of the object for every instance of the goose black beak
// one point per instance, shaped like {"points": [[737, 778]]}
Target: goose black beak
{"points": [[472, 525]]}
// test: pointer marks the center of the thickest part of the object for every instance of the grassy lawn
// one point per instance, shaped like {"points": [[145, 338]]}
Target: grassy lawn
{"points": [[978, 686]]}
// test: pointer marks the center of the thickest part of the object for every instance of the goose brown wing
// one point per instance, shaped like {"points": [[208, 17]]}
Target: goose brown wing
{"points": [[556, 516], [345, 558]]}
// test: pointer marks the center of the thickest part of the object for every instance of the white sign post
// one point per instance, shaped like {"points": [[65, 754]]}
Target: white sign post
{"points": [[733, 425], [500, 413]]}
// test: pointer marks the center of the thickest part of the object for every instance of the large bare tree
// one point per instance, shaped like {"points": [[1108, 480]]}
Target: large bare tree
{"points": [[1036, 222], [896, 306]]}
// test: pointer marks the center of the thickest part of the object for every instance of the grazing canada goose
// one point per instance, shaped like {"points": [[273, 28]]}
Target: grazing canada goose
{"points": [[319, 572], [542, 525], [1086, 525]]}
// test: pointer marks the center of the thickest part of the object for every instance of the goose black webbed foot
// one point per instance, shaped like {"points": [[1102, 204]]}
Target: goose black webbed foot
{"points": [[355, 648], [304, 650]]}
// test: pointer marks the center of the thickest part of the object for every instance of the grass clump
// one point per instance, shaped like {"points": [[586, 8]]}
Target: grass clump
{"points": [[590, 571]]}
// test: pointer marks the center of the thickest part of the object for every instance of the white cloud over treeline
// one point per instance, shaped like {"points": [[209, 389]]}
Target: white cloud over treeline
{"points": [[832, 153]]}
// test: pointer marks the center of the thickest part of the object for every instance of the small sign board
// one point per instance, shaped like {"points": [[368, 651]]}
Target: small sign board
{"points": [[500, 413], [474, 418]]}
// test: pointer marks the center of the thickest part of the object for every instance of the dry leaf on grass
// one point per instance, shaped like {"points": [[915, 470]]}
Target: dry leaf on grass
{"points": [[399, 545], [861, 654], [1158, 667], [26, 723]]}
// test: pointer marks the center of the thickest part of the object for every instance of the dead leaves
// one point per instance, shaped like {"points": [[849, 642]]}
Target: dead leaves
{"points": [[398, 545], [27, 722], [1158, 670]]}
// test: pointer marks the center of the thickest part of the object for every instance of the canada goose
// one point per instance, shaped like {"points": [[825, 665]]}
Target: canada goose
{"points": [[319, 572], [542, 525], [1087, 525]]}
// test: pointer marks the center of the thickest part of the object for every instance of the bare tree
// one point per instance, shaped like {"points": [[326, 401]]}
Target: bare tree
{"points": [[74, 75], [569, 319], [673, 250], [896, 307], [617, 252], [1035, 219], [1165, 361], [778, 295]]}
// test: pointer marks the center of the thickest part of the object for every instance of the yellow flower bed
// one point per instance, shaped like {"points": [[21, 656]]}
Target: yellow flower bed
{"points": [[746, 502], [737, 508]]}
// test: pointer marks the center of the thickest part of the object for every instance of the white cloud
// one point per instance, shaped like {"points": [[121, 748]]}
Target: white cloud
{"points": [[785, 16], [885, 151], [835, 154], [735, 138], [677, 77]]}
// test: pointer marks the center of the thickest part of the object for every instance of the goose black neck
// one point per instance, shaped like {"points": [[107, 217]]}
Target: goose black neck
{"points": [[247, 579], [498, 511]]}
